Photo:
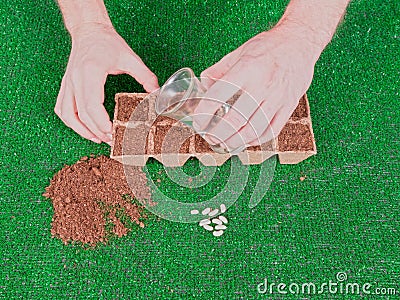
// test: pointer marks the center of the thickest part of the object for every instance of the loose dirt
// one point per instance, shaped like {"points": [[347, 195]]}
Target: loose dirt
{"points": [[92, 201]]}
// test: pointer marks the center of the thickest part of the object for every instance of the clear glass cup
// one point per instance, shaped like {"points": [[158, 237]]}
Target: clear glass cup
{"points": [[178, 99]]}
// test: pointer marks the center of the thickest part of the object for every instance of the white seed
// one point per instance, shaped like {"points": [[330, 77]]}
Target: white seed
{"points": [[217, 221], [208, 227], [218, 233], [194, 212], [204, 222], [223, 208], [220, 227], [223, 219], [206, 211], [213, 213]]}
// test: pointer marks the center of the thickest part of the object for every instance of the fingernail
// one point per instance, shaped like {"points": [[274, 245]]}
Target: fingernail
{"points": [[109, 143], [97, 141], [109, 136]]}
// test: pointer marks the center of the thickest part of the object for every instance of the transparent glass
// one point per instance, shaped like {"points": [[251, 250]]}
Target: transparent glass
{"points": [[178, 99]]}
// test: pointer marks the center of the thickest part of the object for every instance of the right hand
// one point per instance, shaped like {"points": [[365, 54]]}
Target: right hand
{"points": [[97, 51]]}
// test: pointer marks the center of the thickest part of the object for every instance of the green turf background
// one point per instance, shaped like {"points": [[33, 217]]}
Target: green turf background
{"points": [[343, 217]]}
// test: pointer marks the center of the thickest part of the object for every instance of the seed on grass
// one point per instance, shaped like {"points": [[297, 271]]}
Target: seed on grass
{"points": [[223, 208], [213, 213], [220, 227], [206, 211], [208, 227], [194, 212], [217, 221], [218, 233], [223, 219], [204, 222]]}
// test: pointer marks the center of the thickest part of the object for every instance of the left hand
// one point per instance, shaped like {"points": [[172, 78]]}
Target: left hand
{"points": [[275, 68]]}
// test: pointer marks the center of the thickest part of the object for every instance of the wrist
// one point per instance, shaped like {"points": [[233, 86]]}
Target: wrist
{"points": [[302, 38], [315, 39], [88, 13], [85, 29], [313, 20]]}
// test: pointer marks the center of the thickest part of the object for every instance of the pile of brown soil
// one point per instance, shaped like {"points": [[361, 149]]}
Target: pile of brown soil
{"points": [[92, 201]]}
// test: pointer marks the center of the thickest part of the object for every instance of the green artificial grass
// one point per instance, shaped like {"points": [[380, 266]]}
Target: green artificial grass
{"points": [[344, 217]]}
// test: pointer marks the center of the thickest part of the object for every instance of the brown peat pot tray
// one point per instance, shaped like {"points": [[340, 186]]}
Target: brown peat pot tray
{"points": [[147, 132]]}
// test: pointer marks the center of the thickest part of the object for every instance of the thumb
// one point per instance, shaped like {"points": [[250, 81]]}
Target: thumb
{"points": [[136, 68], [218, 70]]}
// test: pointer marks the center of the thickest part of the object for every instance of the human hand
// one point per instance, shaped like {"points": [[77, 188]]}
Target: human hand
{"points": [[275, 68], [97, 51]]}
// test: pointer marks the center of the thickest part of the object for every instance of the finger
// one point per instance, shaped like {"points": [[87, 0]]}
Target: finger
{"points": [[230, 126], [70, 117], [218, 94], [89, 96], [253, 130], [136, 68], [60, 97], [68, 114], [282, 114], [218, 70], [258, 121], [275, 127]]}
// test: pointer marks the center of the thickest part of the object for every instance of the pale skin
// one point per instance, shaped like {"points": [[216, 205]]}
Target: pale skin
{"points": [[275, 68]]}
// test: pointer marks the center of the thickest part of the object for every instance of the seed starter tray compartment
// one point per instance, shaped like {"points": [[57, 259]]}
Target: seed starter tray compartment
{"points": [[294, 144]]}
